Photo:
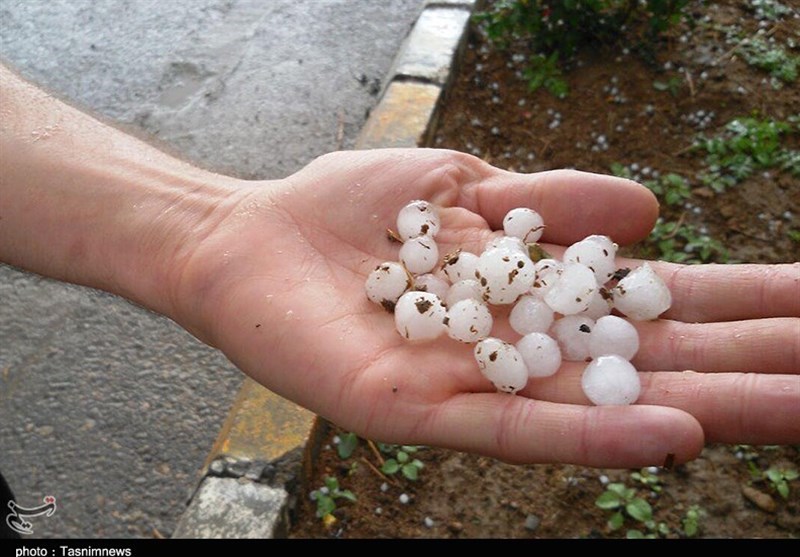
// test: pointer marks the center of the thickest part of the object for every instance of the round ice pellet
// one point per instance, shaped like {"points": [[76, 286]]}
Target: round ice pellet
{"points": [[469, 321], [642, 295], [460, 265], [418, 218], [433, 284], [507, 242], [524, 223], [597, 253], [463, 290], [387, 283], [573, 291], [548, 271], [530, 315], [599, 306], [504, 275], [419, 255], [573, 333], [613, 335], [541, 354], [611, 380], [419, 316], [502, 364]]}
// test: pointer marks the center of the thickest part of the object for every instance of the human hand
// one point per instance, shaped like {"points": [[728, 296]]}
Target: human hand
{"points": [[278, 285]]}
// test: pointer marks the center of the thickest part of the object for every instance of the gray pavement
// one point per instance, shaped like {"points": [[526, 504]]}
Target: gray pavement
{"points": [[107, 407]]}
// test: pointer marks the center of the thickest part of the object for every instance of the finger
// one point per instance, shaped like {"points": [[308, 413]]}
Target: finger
{"points": [[703, 293], [518, 429], [746, 408], [772, 345], [731, 407], [573, 204]]}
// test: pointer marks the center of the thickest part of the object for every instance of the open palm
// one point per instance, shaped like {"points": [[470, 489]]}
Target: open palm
{"points": [[279, 287]]}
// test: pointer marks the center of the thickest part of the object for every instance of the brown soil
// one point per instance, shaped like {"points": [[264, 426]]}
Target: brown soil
{"points": [[491, 113]]}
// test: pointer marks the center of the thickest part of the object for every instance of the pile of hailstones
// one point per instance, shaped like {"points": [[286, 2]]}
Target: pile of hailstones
{"points": [[561, 309]]}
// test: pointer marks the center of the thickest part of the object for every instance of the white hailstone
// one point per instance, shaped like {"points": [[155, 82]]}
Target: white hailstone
{"points": [[507, 242], [642, 295], [524, 223], [611, 380], [464, 290], [599, 306], [418, 218], [613, 335], [540, 353], [530, 315], [573, 333], [504, 275], [595, 252], [468, 321], [502, 364], [573, 291], [419, 316], [548, 271], [433, 284], [387, 283], [460, 265], [420, 254]]}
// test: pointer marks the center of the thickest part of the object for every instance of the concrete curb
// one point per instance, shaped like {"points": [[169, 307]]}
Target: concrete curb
{"points": [[267, 446]]}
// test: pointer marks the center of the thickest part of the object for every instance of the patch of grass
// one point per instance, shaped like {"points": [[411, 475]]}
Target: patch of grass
{"points": [[552, 32], [691, 521], [673, 85], [544, 71], [743, 146], [648, 480], [401, 460], [347, 445], [671, 188], [772, 58], [327, 496], [779, 478], [684, 243], [624, 503]]}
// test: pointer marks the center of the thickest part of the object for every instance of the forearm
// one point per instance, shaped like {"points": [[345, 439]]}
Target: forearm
{"points": [[84, 202]]}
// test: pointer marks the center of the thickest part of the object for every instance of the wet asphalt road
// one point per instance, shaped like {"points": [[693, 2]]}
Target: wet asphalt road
{"points": [[106, 406]]}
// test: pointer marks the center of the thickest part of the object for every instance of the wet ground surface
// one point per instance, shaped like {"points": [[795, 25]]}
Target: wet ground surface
{"points": [[103, 405]]}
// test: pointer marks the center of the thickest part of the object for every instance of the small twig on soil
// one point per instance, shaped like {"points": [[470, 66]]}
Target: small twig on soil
{"points": [[375, 451], [688, 75], [684, 150], [376, 471], [677, 226], [730, 52]]}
